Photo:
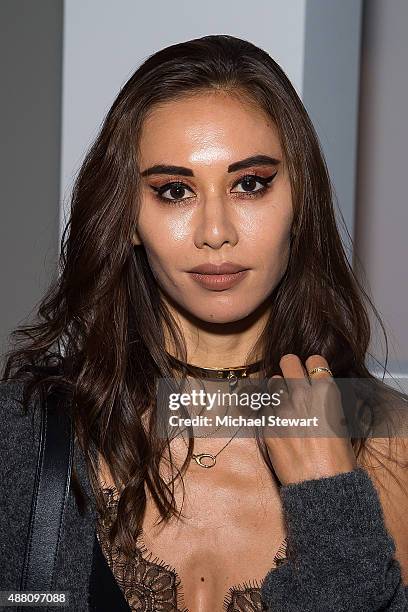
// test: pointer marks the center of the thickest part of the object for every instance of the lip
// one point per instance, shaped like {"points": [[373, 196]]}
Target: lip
{"points": [[227, 267], [219, 282]]}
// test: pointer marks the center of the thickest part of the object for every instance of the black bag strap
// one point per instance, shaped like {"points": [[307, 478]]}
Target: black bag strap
{"points": [[51, 488]]}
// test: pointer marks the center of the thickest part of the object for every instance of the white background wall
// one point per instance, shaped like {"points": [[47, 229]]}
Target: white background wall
{"points": [[330, 91], [382, 211]]}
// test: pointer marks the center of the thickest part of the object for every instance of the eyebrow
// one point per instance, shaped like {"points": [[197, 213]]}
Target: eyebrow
{"points": [[254, 160]]}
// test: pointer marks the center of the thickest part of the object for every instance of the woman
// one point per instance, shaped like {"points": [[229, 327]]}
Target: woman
{"points": [[202, 235]]}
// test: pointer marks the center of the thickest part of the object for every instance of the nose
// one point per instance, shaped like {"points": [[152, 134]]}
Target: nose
{"points": [[214, 224]]}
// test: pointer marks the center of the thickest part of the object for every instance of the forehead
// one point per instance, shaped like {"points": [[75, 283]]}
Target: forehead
{"points": [[206, 127]]}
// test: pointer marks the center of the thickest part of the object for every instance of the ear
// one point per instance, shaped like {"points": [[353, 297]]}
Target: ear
{"points": [[135, 238]]}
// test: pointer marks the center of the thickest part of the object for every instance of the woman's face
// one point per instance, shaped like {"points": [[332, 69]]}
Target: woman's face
{"points": [[227, 198]]}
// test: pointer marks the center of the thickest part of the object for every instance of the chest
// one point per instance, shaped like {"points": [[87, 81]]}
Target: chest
{"points": [[218, 551]]}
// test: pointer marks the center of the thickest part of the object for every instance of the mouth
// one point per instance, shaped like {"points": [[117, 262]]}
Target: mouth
{"points": [[219, 282], [227, 267]]}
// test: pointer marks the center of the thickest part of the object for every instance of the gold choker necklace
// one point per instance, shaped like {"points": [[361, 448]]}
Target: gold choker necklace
{"points": [[232, 374]]}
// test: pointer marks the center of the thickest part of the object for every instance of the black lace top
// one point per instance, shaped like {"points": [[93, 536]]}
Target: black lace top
{"points": [[154, 586]]}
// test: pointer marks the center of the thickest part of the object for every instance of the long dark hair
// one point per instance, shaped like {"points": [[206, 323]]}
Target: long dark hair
{"points": [[101, 324]]}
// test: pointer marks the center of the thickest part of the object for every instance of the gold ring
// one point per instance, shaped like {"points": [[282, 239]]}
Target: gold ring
{"points": [[320, 369]]}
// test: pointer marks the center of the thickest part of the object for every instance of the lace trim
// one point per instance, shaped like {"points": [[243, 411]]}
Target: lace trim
{"points": [[151, 585], [147, 585]]}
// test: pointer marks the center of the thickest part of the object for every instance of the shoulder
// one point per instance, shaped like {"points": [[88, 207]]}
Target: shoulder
{"points": [[11, 396], [19, 439], [11, 391], [12, 409], [19, 427]]}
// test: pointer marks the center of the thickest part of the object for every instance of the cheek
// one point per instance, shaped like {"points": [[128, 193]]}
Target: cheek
{"points": [[166, 243], [268, 235], [160, 227]]}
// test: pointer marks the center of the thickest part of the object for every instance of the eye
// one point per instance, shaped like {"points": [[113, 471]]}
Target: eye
{"points": [[252, 183], [173, 192]]}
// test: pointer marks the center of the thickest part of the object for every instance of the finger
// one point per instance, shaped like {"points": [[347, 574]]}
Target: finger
{"points": [[277, 384], [327, 399], [317, 361], [293, 371]]}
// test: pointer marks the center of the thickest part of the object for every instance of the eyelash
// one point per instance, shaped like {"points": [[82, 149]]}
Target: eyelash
{"points": [[265, 181]]}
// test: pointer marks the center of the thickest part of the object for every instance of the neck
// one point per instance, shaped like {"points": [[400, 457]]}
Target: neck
{"points": [[219, 345]]}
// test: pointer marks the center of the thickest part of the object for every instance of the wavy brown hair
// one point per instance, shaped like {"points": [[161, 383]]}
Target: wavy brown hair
{"points": [[100, 328]]}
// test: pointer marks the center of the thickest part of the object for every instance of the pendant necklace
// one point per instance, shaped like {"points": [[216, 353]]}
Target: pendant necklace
{"points": [[232, 375]]}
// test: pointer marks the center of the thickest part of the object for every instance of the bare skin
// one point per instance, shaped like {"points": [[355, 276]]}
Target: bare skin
{"points": [[229, 512], [234, 520]]}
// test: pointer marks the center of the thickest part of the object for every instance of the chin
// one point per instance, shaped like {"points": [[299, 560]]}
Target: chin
{"points": [[226, 311], [217, 306]]}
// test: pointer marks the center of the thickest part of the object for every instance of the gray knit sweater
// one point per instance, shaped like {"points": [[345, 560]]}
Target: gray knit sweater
{"points": [[340, 555]]}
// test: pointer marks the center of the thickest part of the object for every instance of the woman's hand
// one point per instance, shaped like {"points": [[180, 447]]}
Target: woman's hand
{"points": [[304, 458]]}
